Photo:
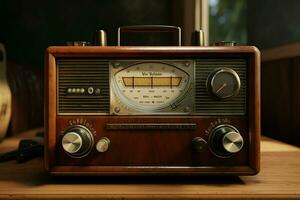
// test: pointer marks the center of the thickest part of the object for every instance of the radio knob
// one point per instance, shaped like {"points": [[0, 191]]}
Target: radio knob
{"points": [[77, 141], [100, 38], [103, 145], [225, 140], [223, 83]]}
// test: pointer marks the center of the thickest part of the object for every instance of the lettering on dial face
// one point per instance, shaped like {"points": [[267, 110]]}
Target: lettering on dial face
{"points": [[151, 85]]}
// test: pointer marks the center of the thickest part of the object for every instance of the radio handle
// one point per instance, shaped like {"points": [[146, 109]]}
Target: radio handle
{"points": [[149, 28]]}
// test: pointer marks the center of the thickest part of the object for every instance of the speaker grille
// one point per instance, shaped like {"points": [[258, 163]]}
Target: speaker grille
{"points": [[83, 86], [206, 104]]}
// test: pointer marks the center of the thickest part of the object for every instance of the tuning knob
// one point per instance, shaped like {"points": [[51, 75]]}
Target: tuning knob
{"points": [[225, 140], [223, 83], [77, 141]]}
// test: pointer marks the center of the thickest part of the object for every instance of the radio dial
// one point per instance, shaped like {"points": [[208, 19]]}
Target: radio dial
{"points": [[77, 141], [223, 83], [225, 140]]}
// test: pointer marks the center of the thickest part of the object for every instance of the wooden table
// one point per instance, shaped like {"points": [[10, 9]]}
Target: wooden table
{"points": [[279, 179]]}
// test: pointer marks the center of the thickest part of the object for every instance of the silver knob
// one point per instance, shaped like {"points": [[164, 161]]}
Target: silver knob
{"points": [[71, 142], [100, 38], [225, 140], [77, 141], [103, 145], [199, 39], [232, 142]]}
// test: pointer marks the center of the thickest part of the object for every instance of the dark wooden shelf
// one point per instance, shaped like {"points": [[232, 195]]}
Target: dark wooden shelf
{"points": [[279, 179]]}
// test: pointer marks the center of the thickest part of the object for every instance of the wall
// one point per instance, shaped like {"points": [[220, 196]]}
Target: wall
{"points": [[280, 99], [27, 27], [273, 23]]}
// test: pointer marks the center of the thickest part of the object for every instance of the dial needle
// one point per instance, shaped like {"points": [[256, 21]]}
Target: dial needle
{"points": [[221, 88]]}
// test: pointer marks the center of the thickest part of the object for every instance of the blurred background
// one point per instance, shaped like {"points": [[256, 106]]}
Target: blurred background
{"points": [[28, 27]]}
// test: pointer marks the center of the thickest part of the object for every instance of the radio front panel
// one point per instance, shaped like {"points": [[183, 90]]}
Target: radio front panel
{"points": [[152, 110], [152, 87]]}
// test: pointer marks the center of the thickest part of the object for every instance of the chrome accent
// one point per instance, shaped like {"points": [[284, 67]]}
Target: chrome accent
{"points": [[103, 145], [71, 142], [225, 140], [232, 142], [77, 141], [199, 38], [100, 38]]}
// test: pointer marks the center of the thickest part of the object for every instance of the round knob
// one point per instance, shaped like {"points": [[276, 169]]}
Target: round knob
{"points": [[77, 141], [71, 142], [232, 142], [100, 38], [103, 145], [225, 140], [223, 83]]}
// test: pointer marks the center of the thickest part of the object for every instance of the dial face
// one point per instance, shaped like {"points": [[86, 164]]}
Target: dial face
{"points": [[151, 85], [224, 83]]}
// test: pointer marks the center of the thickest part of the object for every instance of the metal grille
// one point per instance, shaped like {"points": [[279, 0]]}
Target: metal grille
{"points": [[76, 77], [206, 104]]}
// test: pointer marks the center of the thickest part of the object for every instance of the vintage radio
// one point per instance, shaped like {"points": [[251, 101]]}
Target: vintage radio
{"points": [[142, 110]]}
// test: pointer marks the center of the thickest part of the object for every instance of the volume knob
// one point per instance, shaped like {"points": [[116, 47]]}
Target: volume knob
{"points": [[225, 140], [232, 142], [77, 141]]}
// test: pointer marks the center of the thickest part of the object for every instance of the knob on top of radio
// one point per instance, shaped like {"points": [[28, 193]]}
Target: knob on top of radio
{"points": [[225, 43], [79, 43], [100, 38]]}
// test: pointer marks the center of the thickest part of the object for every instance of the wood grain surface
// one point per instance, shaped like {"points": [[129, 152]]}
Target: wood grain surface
{"points": [[279, 179]]}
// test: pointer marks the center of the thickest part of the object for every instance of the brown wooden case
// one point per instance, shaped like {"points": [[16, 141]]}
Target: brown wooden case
{"points": [[153, 152]]}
